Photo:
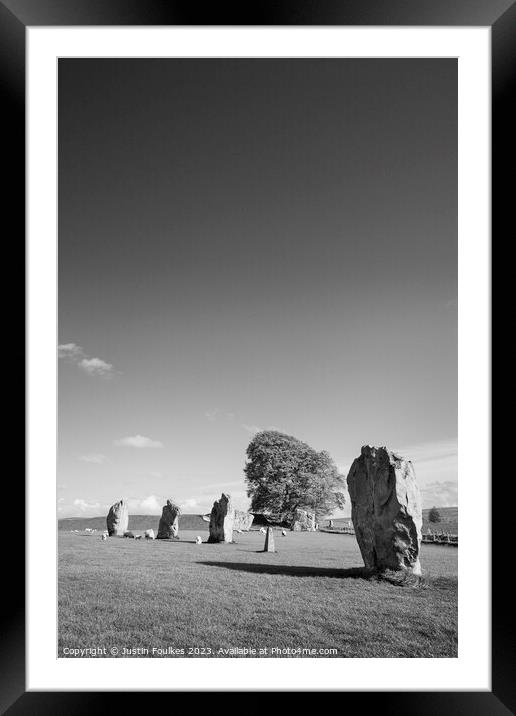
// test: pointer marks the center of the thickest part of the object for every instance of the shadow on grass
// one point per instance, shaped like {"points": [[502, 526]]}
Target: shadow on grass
{"points": [[398, 579], [293, 571]]}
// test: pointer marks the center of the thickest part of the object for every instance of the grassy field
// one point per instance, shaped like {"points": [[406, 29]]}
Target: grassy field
{"points": [[137, 523], [311, 594]]}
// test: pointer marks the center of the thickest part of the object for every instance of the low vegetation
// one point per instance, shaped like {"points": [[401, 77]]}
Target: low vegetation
{"points": [[312, 594]]}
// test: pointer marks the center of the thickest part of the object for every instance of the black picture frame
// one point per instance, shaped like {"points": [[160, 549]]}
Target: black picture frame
{"points": [[15, 17]]}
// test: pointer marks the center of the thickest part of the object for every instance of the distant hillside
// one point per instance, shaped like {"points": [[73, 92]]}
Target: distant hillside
{"points": [[136, 522], [449, 521]]}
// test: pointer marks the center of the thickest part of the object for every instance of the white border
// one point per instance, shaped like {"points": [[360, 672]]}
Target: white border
{"points": [[471, 670]]}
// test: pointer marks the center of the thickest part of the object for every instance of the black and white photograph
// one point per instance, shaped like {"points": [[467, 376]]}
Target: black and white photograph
{"points": [[257, 358], [257, 245]]}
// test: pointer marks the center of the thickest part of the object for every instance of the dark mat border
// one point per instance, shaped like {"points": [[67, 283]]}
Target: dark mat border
{"points": [[500, 15]]}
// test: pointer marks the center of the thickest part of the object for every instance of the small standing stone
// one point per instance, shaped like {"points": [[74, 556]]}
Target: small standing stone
{"points": [[117, 520], [269, 541], [302, 521], [243, 521], [169, 521], [221, 520]]}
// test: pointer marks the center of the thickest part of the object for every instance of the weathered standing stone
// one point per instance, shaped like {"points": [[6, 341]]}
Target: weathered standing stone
{"points": [[117, 520], [243, 520], [269, 541], [149, 534], [302, 521], [169, 521], [221, 520], [386, 510]]}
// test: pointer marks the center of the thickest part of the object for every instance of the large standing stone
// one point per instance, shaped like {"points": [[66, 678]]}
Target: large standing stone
{"points": [[386, 510], [117, 520], [221, 520], [302, 521], [169, 521], [269, 541], [243, 520]]}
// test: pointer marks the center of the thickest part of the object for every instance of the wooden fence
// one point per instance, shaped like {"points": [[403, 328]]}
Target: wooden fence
{"points": [[440, 538], [426, 537]]}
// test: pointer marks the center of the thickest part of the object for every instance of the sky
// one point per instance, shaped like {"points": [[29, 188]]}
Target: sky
{"points": [[247, 244]]}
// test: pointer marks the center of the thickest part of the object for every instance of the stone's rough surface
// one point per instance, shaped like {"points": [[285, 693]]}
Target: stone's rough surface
{"points": [[117, 520], [221, 520], [149, 534], [243, 520], [302, 521], [169, 521], [269, 541], [386, 510]]}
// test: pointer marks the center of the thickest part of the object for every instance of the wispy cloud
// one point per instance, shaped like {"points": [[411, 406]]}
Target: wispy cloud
{"points": [[70, 351], [440, 494], [95, 458], [190, 504], [203, 502], [138, 441], [81, 507], [430, 451], [96, 366], [149, 505], [89, 364], [85, 506], [152, 504]]}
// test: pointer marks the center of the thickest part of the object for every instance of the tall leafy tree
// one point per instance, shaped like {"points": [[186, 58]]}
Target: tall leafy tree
{"points": [[284, 473], [434, 515]]}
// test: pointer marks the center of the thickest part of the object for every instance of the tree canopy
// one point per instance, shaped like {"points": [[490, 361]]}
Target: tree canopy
{"points": [[283, 473], [434, 515]]}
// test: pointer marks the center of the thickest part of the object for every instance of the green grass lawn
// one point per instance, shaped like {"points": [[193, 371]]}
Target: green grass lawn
{"points": [[311, 594]]}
